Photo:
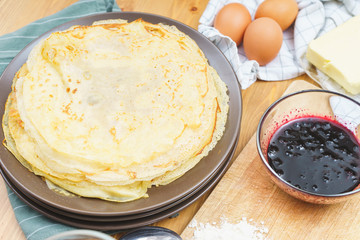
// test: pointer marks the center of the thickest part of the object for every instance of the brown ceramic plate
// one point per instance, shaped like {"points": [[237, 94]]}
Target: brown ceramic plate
{"points": [[99, 224], [159, 196]]}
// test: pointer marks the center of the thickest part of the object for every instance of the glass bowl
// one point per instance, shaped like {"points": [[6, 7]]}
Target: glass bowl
{"points": [[317, 155]]}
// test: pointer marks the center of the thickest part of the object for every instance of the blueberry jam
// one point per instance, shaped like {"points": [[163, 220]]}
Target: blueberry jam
{"points": [[316, 155]]}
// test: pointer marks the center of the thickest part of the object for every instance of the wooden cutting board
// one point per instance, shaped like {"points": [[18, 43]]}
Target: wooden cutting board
{"points": [[247, 191]]}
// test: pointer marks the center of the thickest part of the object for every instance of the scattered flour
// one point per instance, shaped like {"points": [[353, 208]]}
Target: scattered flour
{"points": [[241, 230]]}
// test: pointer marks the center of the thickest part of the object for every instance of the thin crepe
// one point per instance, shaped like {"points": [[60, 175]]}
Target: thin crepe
{"points": [[108, 110]]}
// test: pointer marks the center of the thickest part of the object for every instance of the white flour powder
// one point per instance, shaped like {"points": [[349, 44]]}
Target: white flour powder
{"points": [[241, 230]]}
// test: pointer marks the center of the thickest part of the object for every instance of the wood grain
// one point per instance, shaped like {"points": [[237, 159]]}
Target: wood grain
{"points": [[16, 14], [9, 228], [247, 191], [187, 12]]}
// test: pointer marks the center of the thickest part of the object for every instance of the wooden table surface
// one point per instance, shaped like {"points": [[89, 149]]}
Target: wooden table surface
{"points": [[256, 98]]}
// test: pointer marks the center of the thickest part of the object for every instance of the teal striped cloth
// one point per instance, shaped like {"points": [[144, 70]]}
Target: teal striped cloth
{"points": [[34, 225]]}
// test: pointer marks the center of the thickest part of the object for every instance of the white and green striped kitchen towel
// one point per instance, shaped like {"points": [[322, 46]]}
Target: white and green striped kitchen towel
{"points": [[314, 18]]}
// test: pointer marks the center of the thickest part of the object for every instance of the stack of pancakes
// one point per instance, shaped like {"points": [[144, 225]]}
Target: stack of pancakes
{"points": [[111, 109]]}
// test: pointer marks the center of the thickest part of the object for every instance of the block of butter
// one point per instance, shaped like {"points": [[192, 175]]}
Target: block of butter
{"points": [[337, 54]]}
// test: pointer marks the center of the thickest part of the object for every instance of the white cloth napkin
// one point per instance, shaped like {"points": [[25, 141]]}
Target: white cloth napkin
{"points": [[346, 112], [314, 18]]}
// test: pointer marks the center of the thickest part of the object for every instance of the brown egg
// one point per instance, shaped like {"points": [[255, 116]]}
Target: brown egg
{"points": [[232, 21], [283, 12], [262, 40]]}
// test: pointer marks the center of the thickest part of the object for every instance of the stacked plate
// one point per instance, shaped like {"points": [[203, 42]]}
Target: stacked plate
{"points": [[163, 201]]}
